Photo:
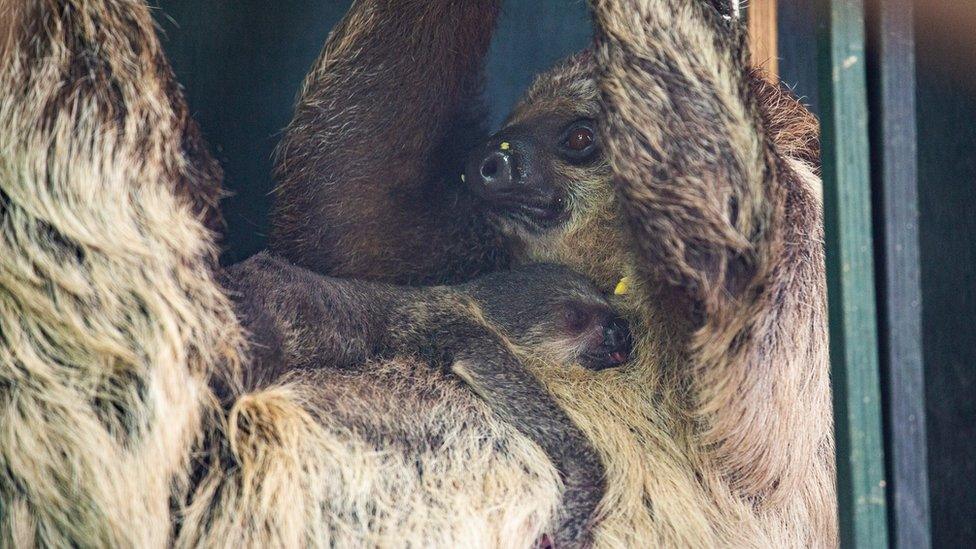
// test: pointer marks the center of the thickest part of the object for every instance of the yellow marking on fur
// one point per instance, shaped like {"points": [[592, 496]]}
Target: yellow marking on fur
{"points": [[622, 287], [505, 146]]}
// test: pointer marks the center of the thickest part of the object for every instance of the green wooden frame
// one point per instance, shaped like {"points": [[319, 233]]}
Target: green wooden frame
{"points": [[855, 369]]}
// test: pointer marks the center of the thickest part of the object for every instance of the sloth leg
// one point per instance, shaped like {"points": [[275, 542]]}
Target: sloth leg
{"points": [[722, 221]]}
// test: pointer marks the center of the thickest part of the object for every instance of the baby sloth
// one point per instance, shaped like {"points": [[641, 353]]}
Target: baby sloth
{"points": [[476, 330], [552, 314]]}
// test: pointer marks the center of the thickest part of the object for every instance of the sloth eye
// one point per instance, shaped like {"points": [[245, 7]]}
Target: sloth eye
{"points": [[579, 141], [577, 318]]}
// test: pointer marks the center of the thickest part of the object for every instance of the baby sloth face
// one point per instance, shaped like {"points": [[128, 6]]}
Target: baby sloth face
{"points": [[595, 336], [555, 314]]}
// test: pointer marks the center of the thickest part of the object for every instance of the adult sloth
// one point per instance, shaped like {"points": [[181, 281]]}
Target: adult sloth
{"points": [[112, 323], [659, 158]]}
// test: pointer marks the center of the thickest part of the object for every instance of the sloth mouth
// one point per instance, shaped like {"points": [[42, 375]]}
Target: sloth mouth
{"points": [[532, 213], [603, 360]]}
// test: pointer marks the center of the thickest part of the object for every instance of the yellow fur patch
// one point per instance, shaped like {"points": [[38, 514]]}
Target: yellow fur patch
{"points": [[622, 287]]}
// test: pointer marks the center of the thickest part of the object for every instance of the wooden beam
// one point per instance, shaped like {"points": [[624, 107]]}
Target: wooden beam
{"points": [[850, 275], [763, 33], [891, 79]]}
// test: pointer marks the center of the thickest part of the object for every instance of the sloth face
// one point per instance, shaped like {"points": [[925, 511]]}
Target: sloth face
{"points": [[545, 178], [555, 314], [545, 170], [596, 337], [528, 173]]}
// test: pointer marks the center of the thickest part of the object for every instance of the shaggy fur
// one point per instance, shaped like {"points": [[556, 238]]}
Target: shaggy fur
{"points": [[718, 216], [722, 428], [477, 330], [113, 323], [721, 431], [719, 434], [111, 320], [368, 167], [724, 241]]}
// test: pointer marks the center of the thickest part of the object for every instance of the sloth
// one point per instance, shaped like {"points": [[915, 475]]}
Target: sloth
{"points": [[658, 162], [471, 330], [701, 194], [546, 311]]}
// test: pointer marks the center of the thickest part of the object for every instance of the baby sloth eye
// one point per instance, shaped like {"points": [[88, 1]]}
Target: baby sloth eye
{"points": [[577, 319], [579, 141]]}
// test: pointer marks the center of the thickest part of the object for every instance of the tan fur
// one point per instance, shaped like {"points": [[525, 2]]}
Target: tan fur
{"points": [[307, 473], [112, 323], [750, 396], [718, 436], [111, 320], [9, 17], [741, 399]]}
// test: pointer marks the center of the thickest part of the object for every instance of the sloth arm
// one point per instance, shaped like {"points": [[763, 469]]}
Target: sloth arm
{"points": [[722, 222], [298, 319], [110, 318], [369, 167], [486, 363], [314, 321]]}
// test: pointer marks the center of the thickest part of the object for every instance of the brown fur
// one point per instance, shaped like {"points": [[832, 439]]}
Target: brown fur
{"points": [[721, 218], [113, 323], [720, 228], [477, 330], [364, 187], [719, 434]]}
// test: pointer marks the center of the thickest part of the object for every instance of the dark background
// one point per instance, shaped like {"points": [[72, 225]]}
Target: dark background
{"points": [[946, 114], [242, 63]]}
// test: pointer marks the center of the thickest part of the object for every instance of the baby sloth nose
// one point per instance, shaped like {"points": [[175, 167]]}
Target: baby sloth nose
{"points": [[617, 341], [616, 333], [614, 348], [497, 170]]}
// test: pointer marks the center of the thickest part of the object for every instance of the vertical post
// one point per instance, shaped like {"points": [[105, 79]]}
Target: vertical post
{"points": [[891, 75], [763, 35], [850, 275]]}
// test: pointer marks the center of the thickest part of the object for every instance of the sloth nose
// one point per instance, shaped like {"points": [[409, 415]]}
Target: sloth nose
{"points": [[497, 171], [617, 340], [508, 171]]}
